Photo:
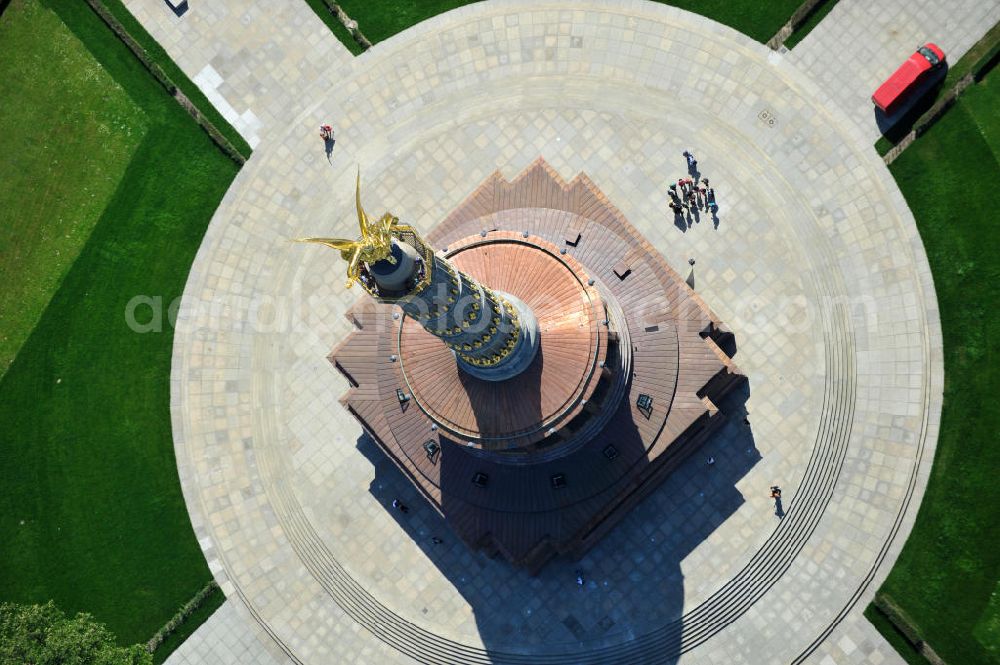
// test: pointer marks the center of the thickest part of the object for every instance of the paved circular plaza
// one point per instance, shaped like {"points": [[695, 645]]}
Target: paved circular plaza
{"points": [[814, 263]]}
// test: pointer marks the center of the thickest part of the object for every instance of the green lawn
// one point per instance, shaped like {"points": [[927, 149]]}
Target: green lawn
{"points": [[380, 20], [759, 20], [946, 577], [64, 148], [983, 103], [91, 510]]}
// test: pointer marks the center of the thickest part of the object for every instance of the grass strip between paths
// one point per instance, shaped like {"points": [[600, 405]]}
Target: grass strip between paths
{"points": [[381, 20], [343, 35], [817, 14]]}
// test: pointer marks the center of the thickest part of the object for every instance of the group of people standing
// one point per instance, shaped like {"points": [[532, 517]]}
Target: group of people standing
{"points": [[692, 193]]}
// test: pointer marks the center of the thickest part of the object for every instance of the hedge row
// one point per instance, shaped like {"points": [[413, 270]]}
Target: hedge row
{"points": [[798, 17], [153, 68], [182, 614], [349, 23], [907, 627]]}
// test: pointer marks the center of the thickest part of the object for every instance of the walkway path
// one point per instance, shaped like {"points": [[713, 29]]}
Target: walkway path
{"points": [[229, 637], [816, 264], [253, 59], [861, 42]]}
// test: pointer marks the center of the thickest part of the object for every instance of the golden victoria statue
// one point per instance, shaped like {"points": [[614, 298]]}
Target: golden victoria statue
{"points": [[484, 328], [374, 244]]}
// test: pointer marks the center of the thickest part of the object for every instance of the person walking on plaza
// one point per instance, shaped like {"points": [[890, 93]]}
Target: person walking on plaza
{"points": [[678, 211], [326, 133], [703, 195], [400, 506], [691, 162], [776, 495], [686, 187], [674, 199]]}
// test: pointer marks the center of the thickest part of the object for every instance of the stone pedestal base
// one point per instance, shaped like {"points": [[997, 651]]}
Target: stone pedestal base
{"points": [[622, 381]]}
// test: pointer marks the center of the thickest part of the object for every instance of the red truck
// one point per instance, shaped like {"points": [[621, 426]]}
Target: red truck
{"points": [[916, 69]]}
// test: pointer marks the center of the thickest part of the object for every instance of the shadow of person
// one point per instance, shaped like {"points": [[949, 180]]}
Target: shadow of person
{"points": [[328, 146], [778, 509], [680, 222], [715, 216], [695, 213]]}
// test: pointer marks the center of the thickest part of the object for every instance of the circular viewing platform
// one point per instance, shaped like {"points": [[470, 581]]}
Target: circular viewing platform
{"points": [[520, 412]]}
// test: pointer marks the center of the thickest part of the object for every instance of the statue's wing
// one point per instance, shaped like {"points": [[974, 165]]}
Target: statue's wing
{"points": [[334, 243], [362, 215], [387, 222]]}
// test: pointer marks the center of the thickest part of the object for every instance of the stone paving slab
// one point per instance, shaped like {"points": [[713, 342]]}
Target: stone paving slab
{"points": [[229, 637], [860, 43], [855, 641], [815, 263], [251, 58]]}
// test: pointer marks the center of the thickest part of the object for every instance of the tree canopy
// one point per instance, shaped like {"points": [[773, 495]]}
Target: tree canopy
{"points": [[44, 635]]}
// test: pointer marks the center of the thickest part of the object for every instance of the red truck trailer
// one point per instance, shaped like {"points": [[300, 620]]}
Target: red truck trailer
{"points": [[891, 94]]}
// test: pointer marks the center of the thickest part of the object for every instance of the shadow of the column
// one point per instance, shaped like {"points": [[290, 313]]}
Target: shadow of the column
{"points": [[633, 584]]}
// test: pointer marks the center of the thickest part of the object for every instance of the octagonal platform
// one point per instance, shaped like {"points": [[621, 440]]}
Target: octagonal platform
{"points": [[625, 386], [517, 412]]}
